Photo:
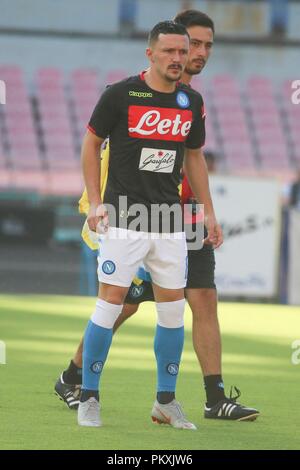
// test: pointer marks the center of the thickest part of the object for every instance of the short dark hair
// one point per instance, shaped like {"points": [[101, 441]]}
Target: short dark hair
{"points": [[166, 27], [189, 18]]}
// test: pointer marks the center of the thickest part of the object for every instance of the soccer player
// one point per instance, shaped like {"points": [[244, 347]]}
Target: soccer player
{"points": [[200, 291], [153, 122]]}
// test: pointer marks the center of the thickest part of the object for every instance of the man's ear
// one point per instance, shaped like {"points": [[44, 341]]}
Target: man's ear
{"points": [[149, 54]]}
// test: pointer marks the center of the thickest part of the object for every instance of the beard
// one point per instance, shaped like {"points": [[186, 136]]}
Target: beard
{"points": [[192, 69], [174, 77]]}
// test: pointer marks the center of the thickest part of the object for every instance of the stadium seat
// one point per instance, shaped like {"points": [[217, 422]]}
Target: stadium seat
{"points": [[114, 76], [291, 117], [68, 183], [5, 178], [58, 137], [23, 149], [84, 92], [233, 126], [36, 181]]}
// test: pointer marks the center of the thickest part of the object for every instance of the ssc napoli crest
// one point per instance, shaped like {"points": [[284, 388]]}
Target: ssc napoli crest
{"points": [[137, 291], [108, 267], [97, 367], [173, 369], [182, 99]]}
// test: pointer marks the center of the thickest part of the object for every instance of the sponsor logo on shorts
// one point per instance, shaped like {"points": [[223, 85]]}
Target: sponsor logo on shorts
{"points": [[172, 124], [108, 267], [182, 99], [172, 369], [97, 367], [157, 160], [140, 94]]}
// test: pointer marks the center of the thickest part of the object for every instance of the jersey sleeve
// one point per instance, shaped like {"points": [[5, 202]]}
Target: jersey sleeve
{"points": [[106, 112], [196, 137]]}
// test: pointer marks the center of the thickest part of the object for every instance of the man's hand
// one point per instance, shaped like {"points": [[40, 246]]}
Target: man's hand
{"points": [[214, 232], [97, 218]]}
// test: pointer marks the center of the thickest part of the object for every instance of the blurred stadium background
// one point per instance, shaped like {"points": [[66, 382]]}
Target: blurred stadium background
{"points": [[55, 59]]}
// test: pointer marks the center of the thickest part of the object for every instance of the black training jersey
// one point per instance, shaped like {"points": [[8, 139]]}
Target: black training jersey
{"points": [[148, 132]]}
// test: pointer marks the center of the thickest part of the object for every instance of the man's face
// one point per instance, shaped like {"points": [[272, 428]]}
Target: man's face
{"points": [[169, 55], [201, 42]]}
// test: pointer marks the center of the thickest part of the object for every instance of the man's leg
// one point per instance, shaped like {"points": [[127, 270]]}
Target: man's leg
{"points": [[168, 346], [207, 340], [96, 345], [127, 311], [206, 329], [167, 263], [68, 385], [202, 297]]}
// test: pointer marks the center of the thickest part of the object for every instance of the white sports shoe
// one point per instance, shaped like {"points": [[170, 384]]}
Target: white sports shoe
{"points": [[171, 414], [89, 413]]}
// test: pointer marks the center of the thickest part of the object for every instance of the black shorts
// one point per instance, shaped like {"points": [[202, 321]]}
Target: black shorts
{"points": [[201, 268], [138, 294], [201, 275]]}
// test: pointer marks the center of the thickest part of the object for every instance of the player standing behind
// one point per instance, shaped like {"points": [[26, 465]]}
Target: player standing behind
{"points": [[167, 123]]}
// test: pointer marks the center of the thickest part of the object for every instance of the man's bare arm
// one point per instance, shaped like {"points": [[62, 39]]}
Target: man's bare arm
{"points": [[90, 158], [197, 174]]}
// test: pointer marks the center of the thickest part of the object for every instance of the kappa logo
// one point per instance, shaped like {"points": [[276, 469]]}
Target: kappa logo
{"points": [[145, 122], [140, 94], [108, 267]]}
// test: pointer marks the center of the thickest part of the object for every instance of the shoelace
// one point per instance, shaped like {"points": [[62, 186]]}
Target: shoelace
{"points": [[93, 406], [179, 411], [233, 399], [238, 392]]}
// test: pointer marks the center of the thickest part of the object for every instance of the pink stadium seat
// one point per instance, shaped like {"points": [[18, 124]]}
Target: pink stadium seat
{"points": [[12, 75], [21, 137], [3, 161], [211, 140], [55, 119], [5, 178], [233, 125], [85, 92], [115, 76], [223, 82], [67, 183], [260, 86], [198, 84], [49, 75], [30, 181]]}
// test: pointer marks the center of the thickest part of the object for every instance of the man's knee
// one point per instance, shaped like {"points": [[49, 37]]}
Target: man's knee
{"points": [[112, 294], [203, 303], [129, 309]]}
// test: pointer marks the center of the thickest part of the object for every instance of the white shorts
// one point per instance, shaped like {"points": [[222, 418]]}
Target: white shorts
{"points": [[122, 252]]}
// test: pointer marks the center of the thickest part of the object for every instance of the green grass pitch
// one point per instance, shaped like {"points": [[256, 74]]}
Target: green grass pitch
{"points": [[41, 333]]}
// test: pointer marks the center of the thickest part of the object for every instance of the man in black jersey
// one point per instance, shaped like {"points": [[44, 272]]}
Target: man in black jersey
{"points": [[200, 290], [152, 121]]}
